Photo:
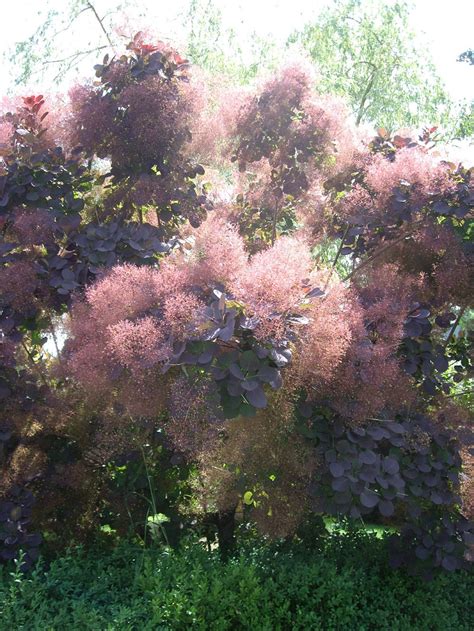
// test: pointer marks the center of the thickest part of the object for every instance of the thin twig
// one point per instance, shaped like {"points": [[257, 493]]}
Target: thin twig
{"points": [[78, 57], [362, 109], [77, 54], [374, 35], [276, 212], [92, 8], [31, 358], [70, 22], [459, 394], [377, 253], [338, 254]]}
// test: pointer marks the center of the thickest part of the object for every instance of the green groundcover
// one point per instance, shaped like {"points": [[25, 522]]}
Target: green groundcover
{"points": [[341, 582]]}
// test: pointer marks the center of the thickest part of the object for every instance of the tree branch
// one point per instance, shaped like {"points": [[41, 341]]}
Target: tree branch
{"points": [[33, 363], [376, 254], [77, 54], [62, 30], [338, 254], [459, 394], [92, 8], [367, 90]]}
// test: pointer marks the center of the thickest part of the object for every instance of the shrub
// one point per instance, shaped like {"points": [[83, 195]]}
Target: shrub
{"points": [[344, 584], [210, 365]]}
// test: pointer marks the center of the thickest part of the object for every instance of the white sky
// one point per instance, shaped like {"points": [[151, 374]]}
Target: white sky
{"points": [[448, 25]]}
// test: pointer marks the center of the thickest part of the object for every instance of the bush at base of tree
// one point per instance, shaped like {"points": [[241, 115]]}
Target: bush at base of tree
{"points": [[343, 582]]}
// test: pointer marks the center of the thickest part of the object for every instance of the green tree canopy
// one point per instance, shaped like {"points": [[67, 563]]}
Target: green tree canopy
{"points": [[367, 53]]}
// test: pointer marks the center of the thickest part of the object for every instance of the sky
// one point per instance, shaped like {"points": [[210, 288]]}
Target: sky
{"points": [[448, 27]]}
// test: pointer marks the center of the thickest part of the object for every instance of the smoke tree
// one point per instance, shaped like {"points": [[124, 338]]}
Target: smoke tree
{"points": [[209, 352]]}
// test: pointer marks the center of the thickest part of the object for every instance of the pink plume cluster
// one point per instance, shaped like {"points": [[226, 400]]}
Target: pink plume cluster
{"points": [[325, 341], [273, 279], [218, 255], [420, 169], [144, 123], [18, 283]]}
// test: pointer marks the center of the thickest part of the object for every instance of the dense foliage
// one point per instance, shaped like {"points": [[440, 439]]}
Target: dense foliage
{"points": [[342, 582], [211, 363], [372, 52]]}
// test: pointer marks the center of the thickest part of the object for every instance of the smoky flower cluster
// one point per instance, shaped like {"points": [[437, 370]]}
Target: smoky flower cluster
{"points": [[129, 324], [138, 116]]}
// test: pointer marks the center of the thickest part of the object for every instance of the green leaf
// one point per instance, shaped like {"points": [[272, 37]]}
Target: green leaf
{"points": [[248, 498]]}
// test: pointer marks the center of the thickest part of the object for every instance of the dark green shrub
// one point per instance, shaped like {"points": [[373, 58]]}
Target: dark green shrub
{"points": [[347, 584]]}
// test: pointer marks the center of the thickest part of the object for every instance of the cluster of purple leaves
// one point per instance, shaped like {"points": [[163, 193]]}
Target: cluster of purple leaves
{"points": [[426, 360], [144, 61], [45, 179], [81, 253], [228, 351], [364, 237], [11, 318], [15, 517], [361, 236], [458, 203], [19, 386], [388, 145], [436, 540], [383, 467]]}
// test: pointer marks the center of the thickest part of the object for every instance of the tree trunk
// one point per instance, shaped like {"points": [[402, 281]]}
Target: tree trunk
{"points": [[226, 532]]}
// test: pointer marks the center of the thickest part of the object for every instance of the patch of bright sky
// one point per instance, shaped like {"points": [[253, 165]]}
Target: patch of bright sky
{"points": [[448, 27]]}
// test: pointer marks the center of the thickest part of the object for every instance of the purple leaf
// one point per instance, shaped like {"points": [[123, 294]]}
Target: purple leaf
{"points": [[369, 499], [336, 469], [257, 398], [386, 508], [390, 465]]}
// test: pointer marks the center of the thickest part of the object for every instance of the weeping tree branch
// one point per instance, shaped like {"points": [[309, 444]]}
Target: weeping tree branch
{"points": [[77, 58], [71, 21], [73, 56]]}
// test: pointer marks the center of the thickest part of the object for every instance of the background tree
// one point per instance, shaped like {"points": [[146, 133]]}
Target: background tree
{"points": [[220, 50], [47, 54], [368, 53], [467, 56], [466, 117]]}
